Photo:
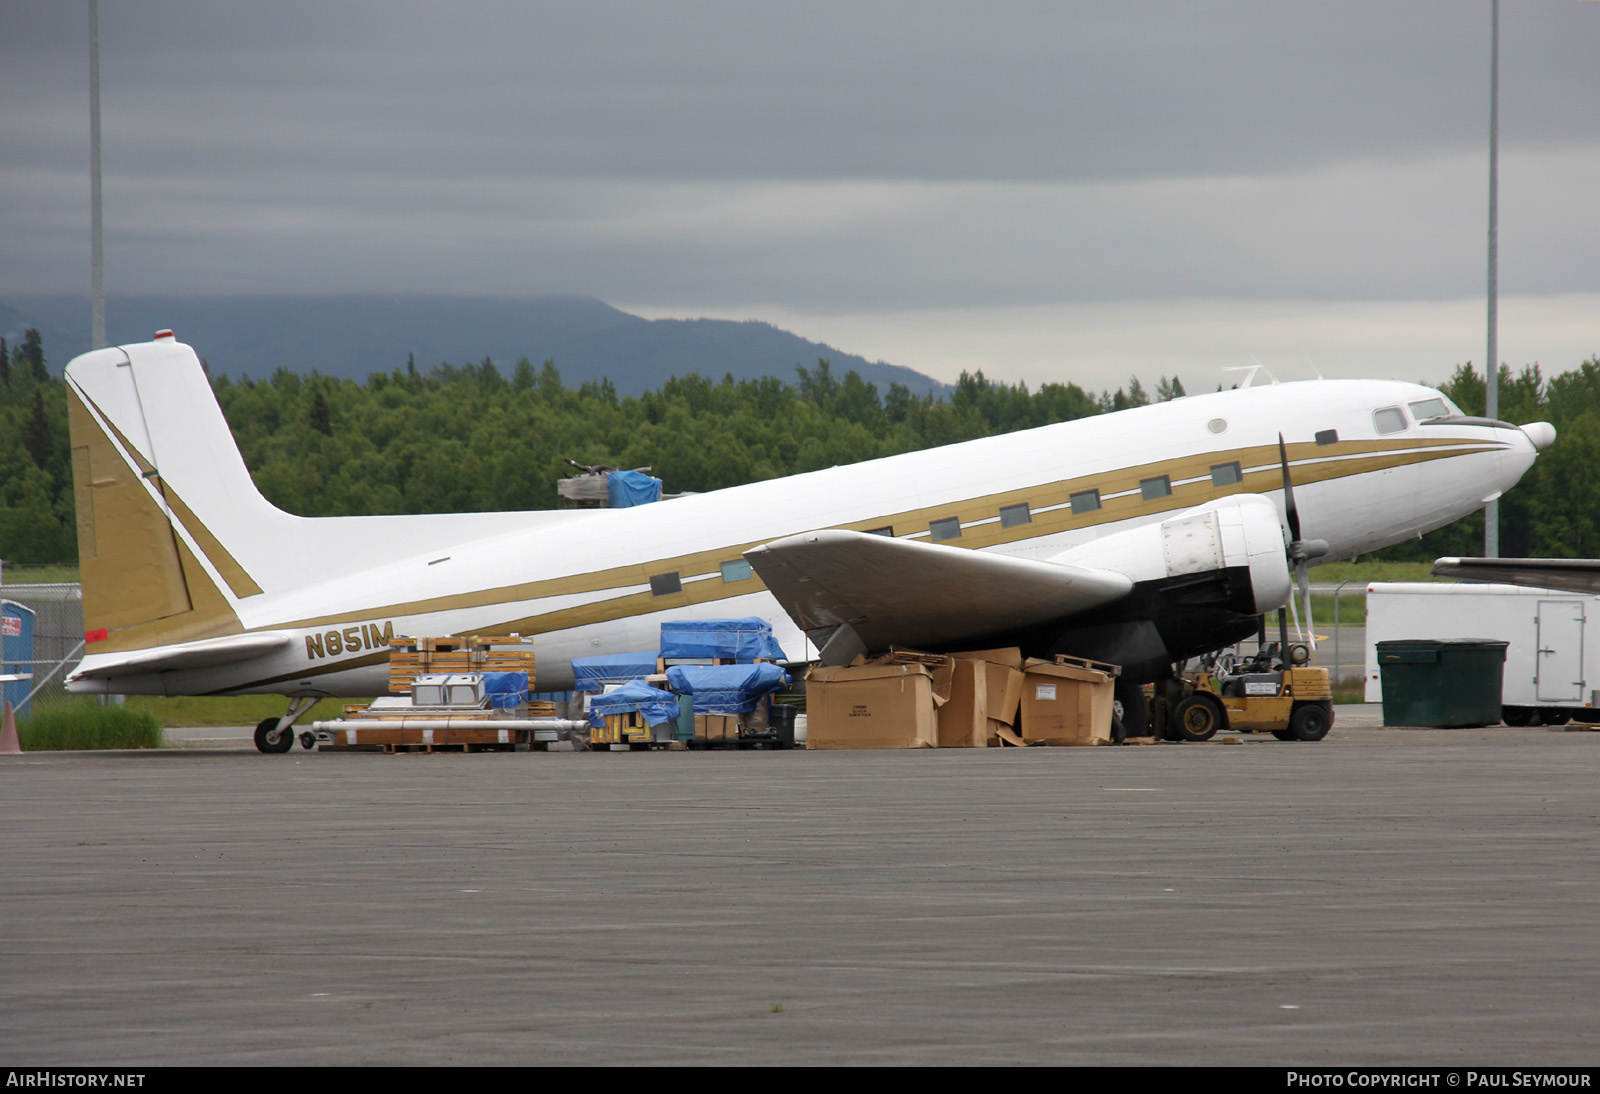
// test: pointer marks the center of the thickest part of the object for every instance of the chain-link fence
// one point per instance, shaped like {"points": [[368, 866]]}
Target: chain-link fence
{"points": [[56, 613]]}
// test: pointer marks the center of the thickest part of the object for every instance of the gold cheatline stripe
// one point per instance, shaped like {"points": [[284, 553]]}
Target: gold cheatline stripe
{"points": [[710, 590], [1116, 509]]}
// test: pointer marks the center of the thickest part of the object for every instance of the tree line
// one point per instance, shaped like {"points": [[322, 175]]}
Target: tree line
{"points": [[467, 438]]}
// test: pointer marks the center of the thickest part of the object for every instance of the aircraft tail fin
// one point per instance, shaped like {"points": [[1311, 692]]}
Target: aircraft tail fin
{"points": [[160, 490]]}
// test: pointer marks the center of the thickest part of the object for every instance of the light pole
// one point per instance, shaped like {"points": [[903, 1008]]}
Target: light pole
{"points": [[1491, 511]]}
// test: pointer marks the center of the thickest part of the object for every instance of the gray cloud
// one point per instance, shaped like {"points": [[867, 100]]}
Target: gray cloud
{"points": [[857, 157]]}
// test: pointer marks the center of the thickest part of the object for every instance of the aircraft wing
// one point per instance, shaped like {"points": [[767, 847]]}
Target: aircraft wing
{"points": [[206, 653], [852, 592], [1577, 574]]}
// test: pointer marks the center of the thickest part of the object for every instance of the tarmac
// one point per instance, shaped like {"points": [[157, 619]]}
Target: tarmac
{"points": [[1393, 897]]}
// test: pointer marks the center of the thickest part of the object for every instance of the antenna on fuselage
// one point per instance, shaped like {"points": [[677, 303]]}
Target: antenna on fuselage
{"points": [[1250, 372]]}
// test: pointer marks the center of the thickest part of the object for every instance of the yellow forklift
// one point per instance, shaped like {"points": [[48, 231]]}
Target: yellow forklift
{"points": [[1282, 695]]}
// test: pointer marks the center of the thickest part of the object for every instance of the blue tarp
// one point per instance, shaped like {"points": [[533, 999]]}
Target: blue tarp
{"points": [[656, 705], [505, 690], [725, 689], [629, 488], [594, 673], [739, 639]]}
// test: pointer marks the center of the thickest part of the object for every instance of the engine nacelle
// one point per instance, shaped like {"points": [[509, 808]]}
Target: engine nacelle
{"points": [[1240, 534]]}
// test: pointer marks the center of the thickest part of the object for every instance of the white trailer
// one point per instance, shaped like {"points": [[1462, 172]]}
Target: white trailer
{"points": [[1552, 669]]}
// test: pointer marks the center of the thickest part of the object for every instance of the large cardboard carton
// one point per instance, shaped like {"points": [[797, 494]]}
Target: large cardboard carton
{"points": [[716, 727], [871, 706], [963, 721], [1065, 703], [1003, 686]]}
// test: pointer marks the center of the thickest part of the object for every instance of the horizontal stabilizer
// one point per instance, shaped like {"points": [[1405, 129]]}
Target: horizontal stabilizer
{"points": [[1577, 574], [894, 592], [204, 654]]}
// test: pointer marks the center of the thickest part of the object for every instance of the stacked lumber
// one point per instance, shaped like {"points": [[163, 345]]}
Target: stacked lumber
{"points": [[411, 657]]}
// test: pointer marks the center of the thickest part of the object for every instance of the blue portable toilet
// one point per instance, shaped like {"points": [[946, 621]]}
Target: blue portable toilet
{"points": [[16, 651]]}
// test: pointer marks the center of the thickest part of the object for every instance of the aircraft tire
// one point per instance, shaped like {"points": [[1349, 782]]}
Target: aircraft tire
{"points": [[1134, 709], [308, 740], [285, 739], [1197, 718], [1308, 722]]}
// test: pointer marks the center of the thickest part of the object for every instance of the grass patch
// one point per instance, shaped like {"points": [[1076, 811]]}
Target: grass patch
{"points": [[1351, 689], [1352, 611], [81, 725], [228, 710], [40, 574], [1359, 573]]}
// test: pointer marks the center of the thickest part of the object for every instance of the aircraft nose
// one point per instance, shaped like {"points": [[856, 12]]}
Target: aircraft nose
{"points": [[1541, 434]]}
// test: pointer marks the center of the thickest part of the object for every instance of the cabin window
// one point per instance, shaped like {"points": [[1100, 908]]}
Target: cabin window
{"points": [[1158, 487], [1012, 516], [1428, 408], [886, 530], [1328, 436], [666, 584], [945, 528], [738, 570], [1227, 474], [1391, 419], [1085, 501]]}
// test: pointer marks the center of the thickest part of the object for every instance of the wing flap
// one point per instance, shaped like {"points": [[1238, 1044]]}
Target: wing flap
{"points": [[204, 654], [896, 592]]}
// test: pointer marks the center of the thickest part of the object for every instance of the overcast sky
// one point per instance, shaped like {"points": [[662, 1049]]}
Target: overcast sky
{"points": [[1048, 191]]}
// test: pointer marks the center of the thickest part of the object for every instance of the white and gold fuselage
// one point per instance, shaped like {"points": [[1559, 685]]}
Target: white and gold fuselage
{"points": [[195, 584]]}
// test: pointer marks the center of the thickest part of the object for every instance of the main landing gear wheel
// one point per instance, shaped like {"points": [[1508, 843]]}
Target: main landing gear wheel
{"points": [[284, 742], [1196, 718], [1310, 722]]}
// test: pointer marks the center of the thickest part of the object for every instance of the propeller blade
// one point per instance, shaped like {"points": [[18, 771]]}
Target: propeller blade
{"points": [[1290, 510], [1304, 582]]}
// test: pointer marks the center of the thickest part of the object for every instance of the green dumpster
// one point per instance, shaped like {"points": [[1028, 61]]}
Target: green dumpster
{"points": [[1441, 682]]}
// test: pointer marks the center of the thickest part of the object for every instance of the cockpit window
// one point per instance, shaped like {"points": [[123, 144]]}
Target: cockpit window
{"points": [[1391, 419], [1428, 408]]}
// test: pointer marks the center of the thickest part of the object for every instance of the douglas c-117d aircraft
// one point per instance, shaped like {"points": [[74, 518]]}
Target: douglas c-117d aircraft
{"points": [[1141, 538]]}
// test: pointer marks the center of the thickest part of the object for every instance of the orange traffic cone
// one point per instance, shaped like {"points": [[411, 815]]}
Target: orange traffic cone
{"points": [[9, 745]]}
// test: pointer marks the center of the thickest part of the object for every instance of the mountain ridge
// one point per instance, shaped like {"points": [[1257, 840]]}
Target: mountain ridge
{"points": [[353, 336]]}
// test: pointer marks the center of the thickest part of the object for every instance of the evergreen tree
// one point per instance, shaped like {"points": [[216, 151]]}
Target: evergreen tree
{"points": [[5, 364], [36, 435], [319, 415], [32, 353]]}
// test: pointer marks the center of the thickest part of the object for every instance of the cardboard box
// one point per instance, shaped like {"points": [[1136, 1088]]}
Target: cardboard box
{"points": [[1068, 704], [716, 727], [963, 721], [871, 706], [1003, 688]]}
